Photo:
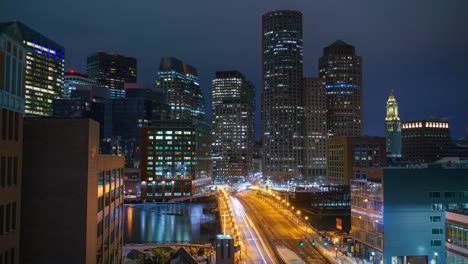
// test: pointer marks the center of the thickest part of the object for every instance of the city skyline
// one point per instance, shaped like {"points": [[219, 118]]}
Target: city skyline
{"points": [[421, 51]]}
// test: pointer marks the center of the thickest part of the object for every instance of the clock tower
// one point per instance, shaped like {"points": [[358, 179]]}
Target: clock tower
{"points": [[393, 128]]}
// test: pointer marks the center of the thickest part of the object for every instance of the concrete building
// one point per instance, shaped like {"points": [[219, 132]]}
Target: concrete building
{"points": [[350, 158], [341, 71], [425, 140], [112, 71], [176, 159], [44, 71], [72, 207], [180, 84], [282, 108], [315, 129], [233, 125], [402, 218], [456, 230], [393, 128], [12, 79], [72, 79]]}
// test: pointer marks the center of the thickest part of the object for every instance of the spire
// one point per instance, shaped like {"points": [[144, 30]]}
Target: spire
{"points": [[392, 108]]}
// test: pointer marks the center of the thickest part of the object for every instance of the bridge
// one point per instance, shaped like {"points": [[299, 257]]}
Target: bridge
{"points": [[193, 197]]}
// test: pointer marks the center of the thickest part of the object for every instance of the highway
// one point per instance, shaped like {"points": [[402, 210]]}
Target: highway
{"points": [[268, 229]]}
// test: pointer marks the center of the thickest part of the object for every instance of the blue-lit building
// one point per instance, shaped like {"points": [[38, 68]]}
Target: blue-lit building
{"points": [[402, 219], [341, 72], [45, 61], [73, 79]]}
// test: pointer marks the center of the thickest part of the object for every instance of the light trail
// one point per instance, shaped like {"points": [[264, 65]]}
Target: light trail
{"points": [[250, 232]]}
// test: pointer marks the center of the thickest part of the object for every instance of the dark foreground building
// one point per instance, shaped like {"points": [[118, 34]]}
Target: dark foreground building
{"points": [[73, 197]]}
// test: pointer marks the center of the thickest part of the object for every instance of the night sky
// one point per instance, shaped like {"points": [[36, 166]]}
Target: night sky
{"points": [[418, 48]]}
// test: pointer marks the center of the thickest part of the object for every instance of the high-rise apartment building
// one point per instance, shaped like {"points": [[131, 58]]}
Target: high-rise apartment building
{"points": [[425, 140], [233, 125], [315, 128], [72, 204], [282, 111], [112, 71], [341, 72], [179, 82], [393, 128], [350, 158], [12, 68], [73, 79], [45, 61]]}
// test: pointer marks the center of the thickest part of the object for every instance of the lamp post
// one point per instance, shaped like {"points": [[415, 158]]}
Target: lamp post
{"points": [[306, 222]]}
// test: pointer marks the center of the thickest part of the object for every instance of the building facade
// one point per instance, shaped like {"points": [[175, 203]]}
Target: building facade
{"points": [[88, 101], [176, 159], [393, 128], [44, 73], [425, 140], [315, 129], [232, 125], [179, 82], [282, 108], [409, 200], [350, 158], [456, 230], [12, 81], [72, 79], [112, 71], [341, 72], [141, 106], [86, 223]]}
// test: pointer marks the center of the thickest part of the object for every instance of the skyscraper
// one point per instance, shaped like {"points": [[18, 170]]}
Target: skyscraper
{"points": [[112, 71], [315, 128], [12, 65], [282, 110], [233, 124], [393, 128], [341, 72], [179, 82], [44, 68], [72, 79]]}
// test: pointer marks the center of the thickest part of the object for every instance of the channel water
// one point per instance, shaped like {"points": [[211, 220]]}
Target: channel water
{"points": [[168, 222]]}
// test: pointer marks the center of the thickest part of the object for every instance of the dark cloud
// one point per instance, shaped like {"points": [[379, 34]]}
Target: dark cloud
{"points": [[418, 48]]}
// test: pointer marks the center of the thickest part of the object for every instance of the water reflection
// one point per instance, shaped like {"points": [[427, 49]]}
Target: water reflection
{"points": [[156, 223]]}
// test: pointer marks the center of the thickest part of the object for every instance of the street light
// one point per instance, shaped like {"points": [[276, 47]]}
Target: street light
{"points": [[306, 222]]}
